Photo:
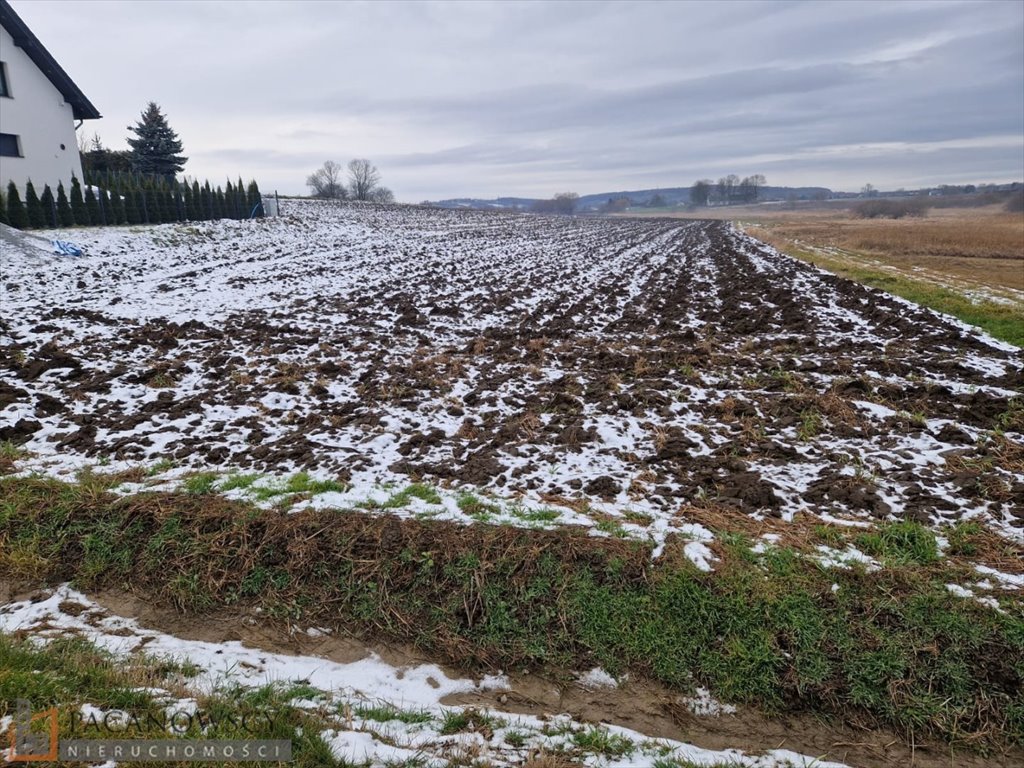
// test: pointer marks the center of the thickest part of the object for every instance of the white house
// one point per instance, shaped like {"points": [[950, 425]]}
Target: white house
{"points": [[39, 108]]}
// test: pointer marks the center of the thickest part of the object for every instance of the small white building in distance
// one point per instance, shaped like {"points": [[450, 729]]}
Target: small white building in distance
{"points": [[39, 108]]}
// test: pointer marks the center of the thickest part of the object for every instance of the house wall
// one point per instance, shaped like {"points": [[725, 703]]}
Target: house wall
{"points": [[37, 114]]}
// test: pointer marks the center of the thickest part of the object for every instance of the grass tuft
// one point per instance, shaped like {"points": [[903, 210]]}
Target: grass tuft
{"points": [[901, 543]]}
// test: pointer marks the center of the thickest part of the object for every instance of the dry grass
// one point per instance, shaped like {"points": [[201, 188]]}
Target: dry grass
{"points": [[531, 425], [543, 759], [976, 246]]}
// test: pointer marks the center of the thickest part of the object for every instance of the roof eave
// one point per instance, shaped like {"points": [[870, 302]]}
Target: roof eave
{"points": [[81, 107]]}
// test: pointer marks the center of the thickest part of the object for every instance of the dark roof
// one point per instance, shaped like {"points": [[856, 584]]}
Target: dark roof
{"points": [[81, 107]]}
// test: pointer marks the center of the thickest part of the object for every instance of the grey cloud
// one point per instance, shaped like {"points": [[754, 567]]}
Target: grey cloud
{"points": [[454, 99]]}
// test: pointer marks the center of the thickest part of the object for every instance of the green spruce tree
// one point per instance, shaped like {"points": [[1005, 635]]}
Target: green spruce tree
{"points": [[49, 206], [179, 202], [217, 203], [3, 210], [92, 206], [103, 201], [36, 217], [16, 214], [142, 203], [155, 148], [206, 201], [190, 208], [131, 210], [117, 208], [78, 208], [167, 204], [230, 203], [255, 200], [65, 217], [243, 209], [197, 201], [152, 203]]}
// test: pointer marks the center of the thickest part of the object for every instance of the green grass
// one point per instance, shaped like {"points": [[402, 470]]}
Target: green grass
{"points": [[639, 518], [160, 467], [830, 535], [386, 713], [200, 483], [810, 424], [889, 647], [963, 538], [300, 482], [69, 672], [237, 482], [469, 719], [472, 506], [403, 498], [540, 515], [1003, 321], [602, 742], [901, 543], [515, 739], [612, 527], [11, 451]]}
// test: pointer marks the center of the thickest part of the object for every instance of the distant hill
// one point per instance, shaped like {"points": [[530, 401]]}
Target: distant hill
{"points": [[639, 197]]}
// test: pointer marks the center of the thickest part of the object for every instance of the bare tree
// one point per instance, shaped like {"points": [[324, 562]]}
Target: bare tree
{"points": [[727, 187], [382, 195], [753, 185], [326, 182], [700, 192], [563, 202], [363, 179], [616, 205]]}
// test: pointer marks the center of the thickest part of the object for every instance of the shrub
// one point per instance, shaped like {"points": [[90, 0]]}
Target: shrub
{"points": [[16, 213], [34, 209], [64, 215], [49, 207], [79, 212], [891, 209]]}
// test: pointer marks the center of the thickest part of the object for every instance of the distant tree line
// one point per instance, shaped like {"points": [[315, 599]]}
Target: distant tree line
{"points": [[728, 190], [563, 203], [892, 209], [327, 182], [128, 198], [620, 204]]}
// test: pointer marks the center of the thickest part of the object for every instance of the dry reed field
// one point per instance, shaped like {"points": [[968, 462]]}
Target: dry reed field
{"points": [[981, 245]]}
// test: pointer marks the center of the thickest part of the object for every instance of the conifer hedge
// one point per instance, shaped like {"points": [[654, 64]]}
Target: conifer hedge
{"points": [[113, 198]]}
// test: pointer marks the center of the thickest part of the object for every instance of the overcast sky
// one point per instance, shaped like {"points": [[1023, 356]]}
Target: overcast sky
{"points": [[453, 99]]}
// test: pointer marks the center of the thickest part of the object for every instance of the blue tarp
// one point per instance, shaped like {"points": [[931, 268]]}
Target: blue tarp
{"points": [[66, 248]]}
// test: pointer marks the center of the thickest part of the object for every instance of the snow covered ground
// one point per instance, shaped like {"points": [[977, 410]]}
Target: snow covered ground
{"points": [[626, 376], [607, 373]]}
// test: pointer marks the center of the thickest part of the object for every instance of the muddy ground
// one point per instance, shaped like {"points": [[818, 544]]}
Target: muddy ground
{"points": [[642, 364]]}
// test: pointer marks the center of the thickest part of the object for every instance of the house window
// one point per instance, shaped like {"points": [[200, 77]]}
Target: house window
{"points": [[4, 89], [9, 145]]}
